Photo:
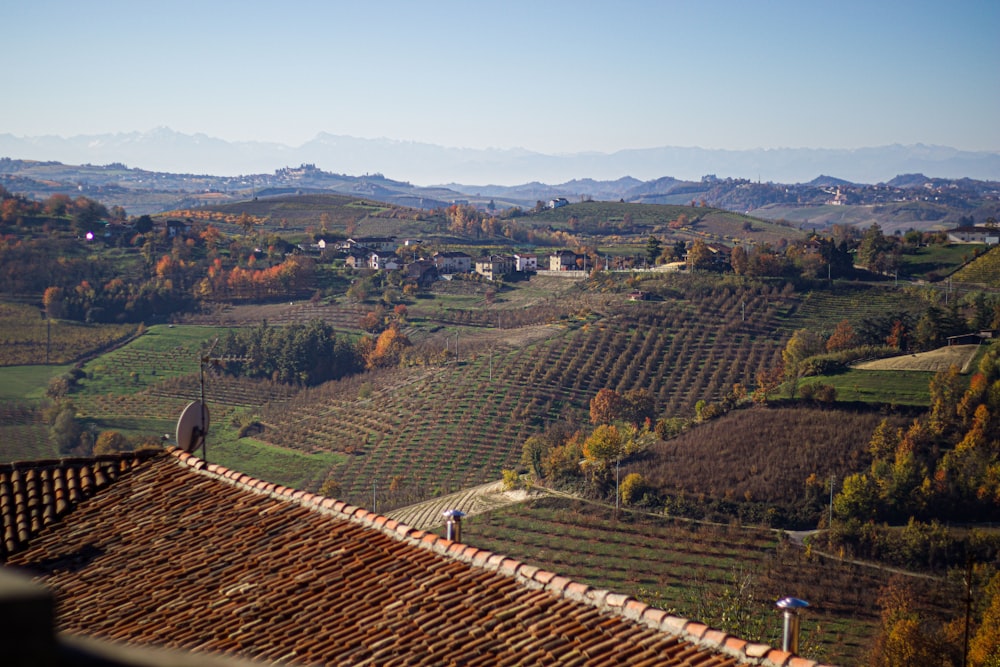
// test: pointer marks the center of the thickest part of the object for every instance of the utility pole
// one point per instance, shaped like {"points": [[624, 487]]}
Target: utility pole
{"points": [[832, 478], [618, 462], [968, 610]]}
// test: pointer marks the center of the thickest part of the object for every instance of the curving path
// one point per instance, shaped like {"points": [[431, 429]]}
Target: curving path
{"points": [[476, 500]]}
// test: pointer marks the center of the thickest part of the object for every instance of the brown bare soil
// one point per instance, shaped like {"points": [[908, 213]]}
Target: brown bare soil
{"points": [[940, 359]]}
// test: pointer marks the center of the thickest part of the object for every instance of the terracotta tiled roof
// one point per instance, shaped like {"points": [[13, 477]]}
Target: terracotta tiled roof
{"points": [[177, 553], [36, 493]]}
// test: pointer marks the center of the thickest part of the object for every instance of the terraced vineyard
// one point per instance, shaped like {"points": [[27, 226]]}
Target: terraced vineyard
{"points": [[984, 270], [821, 310], [420, 432], [686, 567], [435, 430], [339, 316], [29, 339], [23, 435]]}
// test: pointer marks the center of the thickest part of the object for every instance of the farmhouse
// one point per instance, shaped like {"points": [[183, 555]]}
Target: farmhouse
{"points": [[422, 272], [357, 259], [720, 253], [379, 243], [384, 261], [525, 262], [495, 266], [159, 548], [558, 202], [176, 227], [974, 234], [565, 260], [452, 262]]}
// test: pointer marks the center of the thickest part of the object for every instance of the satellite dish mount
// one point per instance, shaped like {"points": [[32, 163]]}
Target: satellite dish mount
{"points": [[192, 427]]}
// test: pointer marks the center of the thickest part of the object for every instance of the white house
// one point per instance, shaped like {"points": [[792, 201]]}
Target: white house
{"points": [[525, 262], [974, 234], [384, 261]]}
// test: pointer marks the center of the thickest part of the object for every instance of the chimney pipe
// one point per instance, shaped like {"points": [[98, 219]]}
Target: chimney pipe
{"points": [[790, 638], [454, 524]]}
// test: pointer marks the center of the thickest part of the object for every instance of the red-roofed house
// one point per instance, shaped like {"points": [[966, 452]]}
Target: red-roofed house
{"points": [[159, 549]]}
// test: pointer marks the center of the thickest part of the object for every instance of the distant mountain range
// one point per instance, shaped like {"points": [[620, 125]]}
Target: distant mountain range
{"points": [[907, 201], [165, 150]]}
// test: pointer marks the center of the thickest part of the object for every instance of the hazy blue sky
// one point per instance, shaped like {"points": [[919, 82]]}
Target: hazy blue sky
{"points": [[547, 76]]}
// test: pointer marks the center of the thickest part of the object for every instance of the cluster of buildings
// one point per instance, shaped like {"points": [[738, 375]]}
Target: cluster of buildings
{"points": [[380, 253]]}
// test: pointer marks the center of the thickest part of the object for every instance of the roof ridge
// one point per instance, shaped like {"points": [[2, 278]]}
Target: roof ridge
{"points": [[530, 576], [34, 494]]}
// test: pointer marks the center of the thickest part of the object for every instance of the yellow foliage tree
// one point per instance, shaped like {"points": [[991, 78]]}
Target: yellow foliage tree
{"points": [[604, 445], [984, 649], [388, 349], [906, 639], [633, 488], [110, 442]]}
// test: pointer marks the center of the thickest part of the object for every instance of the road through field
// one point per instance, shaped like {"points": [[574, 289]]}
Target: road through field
{"points": [[475, 500]]}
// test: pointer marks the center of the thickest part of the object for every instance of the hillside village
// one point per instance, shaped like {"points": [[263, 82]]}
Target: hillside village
{"points": [[673, 408]]}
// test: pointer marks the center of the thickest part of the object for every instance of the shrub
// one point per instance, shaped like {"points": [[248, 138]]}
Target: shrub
{"points": [[109, 442], [821, 393], [668, 427], [834, 362], [633, 488]]}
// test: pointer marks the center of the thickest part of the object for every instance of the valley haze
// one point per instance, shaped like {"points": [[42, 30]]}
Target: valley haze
{"points": [[163, 149]]}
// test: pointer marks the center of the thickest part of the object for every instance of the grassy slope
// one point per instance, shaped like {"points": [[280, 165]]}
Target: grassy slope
{"points": [[18, 383], [888, 387], [890, 217], [936, 261]]}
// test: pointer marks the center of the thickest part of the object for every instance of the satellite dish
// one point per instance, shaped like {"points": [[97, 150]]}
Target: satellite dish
{"points": [[192, 426]]}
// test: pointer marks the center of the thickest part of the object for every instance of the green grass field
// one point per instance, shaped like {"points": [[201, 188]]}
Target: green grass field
{"points": [[888, 387], [264, 461], [161, 352], [937, 261], [18, 383]]}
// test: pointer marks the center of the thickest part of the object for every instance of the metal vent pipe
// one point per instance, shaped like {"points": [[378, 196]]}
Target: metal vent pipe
{"points": [[453, 525], [790, 637]]}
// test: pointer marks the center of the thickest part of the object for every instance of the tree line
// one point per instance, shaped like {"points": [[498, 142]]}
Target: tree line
{"points": [[308, 354]]}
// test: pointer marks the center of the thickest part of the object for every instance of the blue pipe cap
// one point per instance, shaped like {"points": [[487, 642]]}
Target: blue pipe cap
{"points": [[453, 514], [791, 603]]}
